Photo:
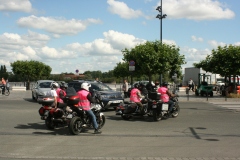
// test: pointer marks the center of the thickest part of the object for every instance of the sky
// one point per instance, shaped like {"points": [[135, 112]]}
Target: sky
{"points": [[88, 35]]}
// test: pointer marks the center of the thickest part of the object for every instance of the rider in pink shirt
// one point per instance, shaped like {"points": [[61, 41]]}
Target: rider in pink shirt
{"points": [[165, 94]]}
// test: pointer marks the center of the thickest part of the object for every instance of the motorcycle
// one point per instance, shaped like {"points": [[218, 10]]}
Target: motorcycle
{"points": [[54, 117], [129, 109], [159, 109], [77, 125]]}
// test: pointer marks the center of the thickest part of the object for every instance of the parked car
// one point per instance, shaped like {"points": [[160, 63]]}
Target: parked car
{"points": [[110, 98], [41, 87]]}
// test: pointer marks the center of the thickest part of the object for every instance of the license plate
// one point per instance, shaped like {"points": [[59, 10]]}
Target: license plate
{"points": [[116, 101], [164, 107], [154, 106]]}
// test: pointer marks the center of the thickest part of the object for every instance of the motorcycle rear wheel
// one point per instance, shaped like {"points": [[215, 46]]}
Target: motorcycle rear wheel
{"points": [[75, 126], [176, 111], [156, 115], [49, 123]]}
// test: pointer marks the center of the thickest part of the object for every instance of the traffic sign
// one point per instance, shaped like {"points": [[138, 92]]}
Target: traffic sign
{"points": [[131, 63]]}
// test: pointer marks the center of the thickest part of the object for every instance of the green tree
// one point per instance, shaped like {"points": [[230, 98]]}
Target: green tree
{"points": [[121, 70], [155, 58], [224, 61], [31, 70], [3, 72]]}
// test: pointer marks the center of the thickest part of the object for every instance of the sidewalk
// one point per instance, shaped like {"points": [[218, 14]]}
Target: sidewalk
{"points": [[217, 99]]}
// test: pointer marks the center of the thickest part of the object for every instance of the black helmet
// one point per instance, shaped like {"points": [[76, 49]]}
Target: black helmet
{"points": [[142, 84], [164, 84], [136, 85], [64, 85]]}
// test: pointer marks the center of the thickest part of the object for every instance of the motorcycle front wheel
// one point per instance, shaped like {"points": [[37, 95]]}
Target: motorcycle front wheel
{"points": [[176, 111], [75, 126], [156, 115], [101, 121]]}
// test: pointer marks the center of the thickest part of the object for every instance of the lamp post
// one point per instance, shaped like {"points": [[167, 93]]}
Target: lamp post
{"points": [[160, 16]]}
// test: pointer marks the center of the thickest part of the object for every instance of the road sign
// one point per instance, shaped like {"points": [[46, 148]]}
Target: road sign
{"points": [[131, 63], [131, 68]]}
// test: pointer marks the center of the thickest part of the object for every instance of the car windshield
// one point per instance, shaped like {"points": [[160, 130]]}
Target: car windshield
{"points": [[45, 85], [100, 87]]}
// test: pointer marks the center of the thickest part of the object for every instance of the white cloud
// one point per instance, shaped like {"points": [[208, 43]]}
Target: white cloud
{"points": [[112, 44], [215, 44], [121, 9], [197, 39], [53, 53], [15, 5], [58, 26], [196, 10]]}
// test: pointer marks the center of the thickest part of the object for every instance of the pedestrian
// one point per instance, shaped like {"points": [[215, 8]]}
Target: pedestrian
{"points": [[125, 88], [191, 84]]}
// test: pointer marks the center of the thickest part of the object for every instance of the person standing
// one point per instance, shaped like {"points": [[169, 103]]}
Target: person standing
{"points": [[125, 88], [191, 85], [3, 86]]}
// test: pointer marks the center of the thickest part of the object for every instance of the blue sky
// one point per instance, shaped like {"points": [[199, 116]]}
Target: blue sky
{"points": [[90, 34]]}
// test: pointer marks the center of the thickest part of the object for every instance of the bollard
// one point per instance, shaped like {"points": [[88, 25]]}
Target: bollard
{"points": [[207, 95], [187, 92]]}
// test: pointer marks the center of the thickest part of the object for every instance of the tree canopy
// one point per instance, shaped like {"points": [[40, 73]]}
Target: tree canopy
{"points": [[152, 58], [224, 61], [31, 70]]}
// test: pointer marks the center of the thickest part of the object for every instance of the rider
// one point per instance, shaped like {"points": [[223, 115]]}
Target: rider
{"points": [[135, 96], [85, 102], [3, 85], [165, 94], [54, 86], [61, 92]]}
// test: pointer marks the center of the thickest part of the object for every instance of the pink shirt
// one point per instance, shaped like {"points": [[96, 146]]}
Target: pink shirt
{"points": [[164, 96]]}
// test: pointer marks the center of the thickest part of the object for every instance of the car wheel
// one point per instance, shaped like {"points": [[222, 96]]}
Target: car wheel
{"points": [[33, 96]]}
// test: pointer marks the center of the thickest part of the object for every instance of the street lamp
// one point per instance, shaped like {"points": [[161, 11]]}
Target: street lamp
{"points": [[160, 16]]}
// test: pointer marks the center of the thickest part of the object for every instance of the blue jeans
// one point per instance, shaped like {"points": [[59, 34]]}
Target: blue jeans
{"points": [[170, 103], [93, 118]]}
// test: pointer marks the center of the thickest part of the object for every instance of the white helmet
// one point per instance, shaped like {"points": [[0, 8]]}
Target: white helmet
{"points": [[54, 85], [85, 86]]}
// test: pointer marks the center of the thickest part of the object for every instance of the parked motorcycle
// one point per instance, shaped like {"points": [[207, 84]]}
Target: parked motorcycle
{"points": [[159, 109], [129, 109], [76, 125], [56, 116]]}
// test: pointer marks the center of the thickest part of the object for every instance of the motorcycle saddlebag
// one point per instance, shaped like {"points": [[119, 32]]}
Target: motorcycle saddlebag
{"points": [[130, 108], [154, 95], [41, 111]]}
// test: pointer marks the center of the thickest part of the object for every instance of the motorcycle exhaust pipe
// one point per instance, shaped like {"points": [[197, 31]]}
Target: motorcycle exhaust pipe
{"points": [[58, 120]]}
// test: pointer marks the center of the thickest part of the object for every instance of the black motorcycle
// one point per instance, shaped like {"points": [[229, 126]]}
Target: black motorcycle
{"points": [[129, 109], [82, 120], [159, 109]]}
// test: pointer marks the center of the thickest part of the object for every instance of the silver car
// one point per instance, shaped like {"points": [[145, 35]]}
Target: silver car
{"points": [[40, 88]]}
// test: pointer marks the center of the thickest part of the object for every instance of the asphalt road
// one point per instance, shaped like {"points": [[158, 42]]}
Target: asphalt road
{"points": [[204, 130]]}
